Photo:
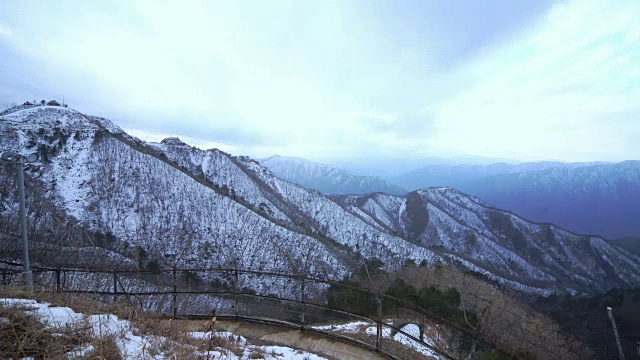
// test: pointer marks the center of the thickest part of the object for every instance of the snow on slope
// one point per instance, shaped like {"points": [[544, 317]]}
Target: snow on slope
{"points": [[263, 190], [221, 170], [332, 221], [212, 209], [145, 201], [500, 243], [133, 344], [109, 186], [433, 336], [174, 212]]}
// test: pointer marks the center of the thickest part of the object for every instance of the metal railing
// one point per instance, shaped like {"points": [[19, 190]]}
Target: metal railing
{"points": [[296, 301]]}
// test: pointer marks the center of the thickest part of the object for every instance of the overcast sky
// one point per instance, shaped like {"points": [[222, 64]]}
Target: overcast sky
{"points": [[340, 80]]}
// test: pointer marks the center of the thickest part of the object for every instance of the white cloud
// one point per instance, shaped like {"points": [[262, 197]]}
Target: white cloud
{"points": [[5, 30], [322, 80], [554, 93]]}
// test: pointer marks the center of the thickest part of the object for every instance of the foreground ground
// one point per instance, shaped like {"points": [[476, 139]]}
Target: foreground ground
{"points": [[35, 326], [31, 329]]}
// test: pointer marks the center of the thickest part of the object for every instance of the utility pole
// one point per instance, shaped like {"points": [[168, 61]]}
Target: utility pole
{"points": [[615, 332], [27, 274], [19, 160]]}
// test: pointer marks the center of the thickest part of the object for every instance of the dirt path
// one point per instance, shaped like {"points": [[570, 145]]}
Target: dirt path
{"points": [[307, 341]]}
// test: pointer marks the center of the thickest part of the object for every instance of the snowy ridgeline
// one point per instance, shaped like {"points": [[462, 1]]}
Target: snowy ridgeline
{"points": [[206, 208], [530, 256], [131, 343], [139, 197]]}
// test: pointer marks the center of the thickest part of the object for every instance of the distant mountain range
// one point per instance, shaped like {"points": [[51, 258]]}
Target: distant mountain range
{"points": [[587, 197], [392, 167], [106, 197], [461, 174], [631, 244], [325, 178], [595, 198]]}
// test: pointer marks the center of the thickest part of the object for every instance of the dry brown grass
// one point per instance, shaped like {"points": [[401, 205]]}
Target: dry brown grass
{"points": [[168, 338], [503, 319], [23, 335], [103, 348]]}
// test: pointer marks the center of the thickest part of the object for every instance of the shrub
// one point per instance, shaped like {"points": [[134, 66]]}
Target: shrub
{"points": [[352, 300]]}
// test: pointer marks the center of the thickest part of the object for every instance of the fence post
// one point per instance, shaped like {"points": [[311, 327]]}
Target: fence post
{"points": [[174, 302], [115, 287], [237, 291], [57, 281], [379, 323]]}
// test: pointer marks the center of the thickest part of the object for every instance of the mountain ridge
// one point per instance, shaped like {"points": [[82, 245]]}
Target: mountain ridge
{"points": [[326, 178], [512, 225], [219, 209], [584, 197]]}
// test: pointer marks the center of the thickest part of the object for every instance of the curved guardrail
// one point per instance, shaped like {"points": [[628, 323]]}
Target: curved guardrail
{"points": [[131, 284]]}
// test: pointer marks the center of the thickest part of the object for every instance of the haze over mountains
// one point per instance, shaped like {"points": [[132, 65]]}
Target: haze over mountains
{"points": [[209, 208], [392, 167], [325, 178], [600, 198], [587, 197]]}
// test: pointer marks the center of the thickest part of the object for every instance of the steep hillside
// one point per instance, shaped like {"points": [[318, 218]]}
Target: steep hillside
{"points": [[327, 179], [206, 208], [120, 200], [539, 255], [292, 205], [93, 173]]}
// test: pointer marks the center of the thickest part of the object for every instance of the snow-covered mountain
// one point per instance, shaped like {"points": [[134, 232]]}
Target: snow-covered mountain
{"points": [[451, 222], [594, 198], [209, 208], [325, 178]]}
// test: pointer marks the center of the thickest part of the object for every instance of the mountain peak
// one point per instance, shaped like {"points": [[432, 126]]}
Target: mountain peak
{"points": [[47, 116], [174, 141]]}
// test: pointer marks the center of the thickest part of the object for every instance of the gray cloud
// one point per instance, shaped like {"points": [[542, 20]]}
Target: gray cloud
{"points": [[413, 125], [338, 79]]}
